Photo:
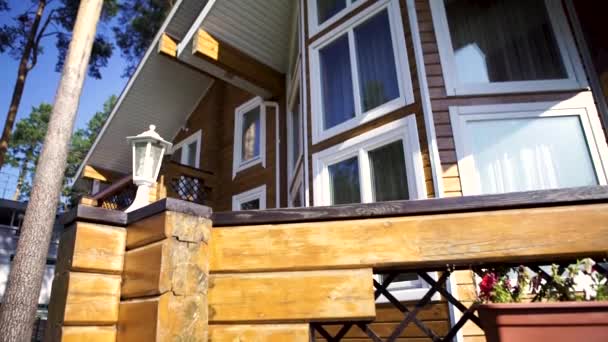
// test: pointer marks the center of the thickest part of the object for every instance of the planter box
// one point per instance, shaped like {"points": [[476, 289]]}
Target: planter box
{"points": [[555, 322]]}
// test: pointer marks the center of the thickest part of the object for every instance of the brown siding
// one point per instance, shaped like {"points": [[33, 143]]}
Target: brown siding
{"points": [[215, 117]]}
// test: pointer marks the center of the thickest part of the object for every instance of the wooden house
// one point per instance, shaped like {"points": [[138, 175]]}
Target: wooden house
{"points": [[323, 103]]}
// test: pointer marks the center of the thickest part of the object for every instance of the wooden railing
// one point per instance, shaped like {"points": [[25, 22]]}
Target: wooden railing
{"points": [[175, 181], [117, 196], [312, 273], [187, 183]]}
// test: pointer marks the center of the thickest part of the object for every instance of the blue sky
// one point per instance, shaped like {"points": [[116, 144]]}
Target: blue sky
{"points": [[42, 82]]}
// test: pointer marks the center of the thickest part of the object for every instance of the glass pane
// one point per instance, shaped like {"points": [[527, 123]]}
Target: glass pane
{"points": [[156, 156], [376, 61], [336, 83], [251, 135], [503, 40], [328, 8], [297, 198], [531, 154], [251, 205], [191, 155], [296, 128], [344, 182], [140, 159], [388, 172], [177, 155]]}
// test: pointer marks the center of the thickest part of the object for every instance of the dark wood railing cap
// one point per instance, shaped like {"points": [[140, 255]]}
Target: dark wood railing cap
{"points": [[517, 200], [94, 214], [169, 204]]}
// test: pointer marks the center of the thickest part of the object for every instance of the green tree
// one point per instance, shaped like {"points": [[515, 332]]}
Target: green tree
{"points": [[82, 141], [25, 147], [22, 38], [139, 21]]}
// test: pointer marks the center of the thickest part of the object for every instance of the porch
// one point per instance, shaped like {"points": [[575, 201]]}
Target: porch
{"points": [[174, 269]]}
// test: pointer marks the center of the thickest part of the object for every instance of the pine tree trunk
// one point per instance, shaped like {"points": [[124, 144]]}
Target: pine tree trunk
{"points": [[20, 83], [18, 310]]}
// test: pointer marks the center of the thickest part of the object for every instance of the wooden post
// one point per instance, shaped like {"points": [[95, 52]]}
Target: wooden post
{"points": [[166, 271], [86, 289]]}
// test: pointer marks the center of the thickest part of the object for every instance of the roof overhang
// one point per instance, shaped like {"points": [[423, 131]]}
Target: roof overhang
{"points": [[160, 92]]}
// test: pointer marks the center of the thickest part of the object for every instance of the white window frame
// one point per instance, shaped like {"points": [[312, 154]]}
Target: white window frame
{"points": [[298, 183], [313, 15], [404, 79], [404, 129], [239, 165], [408, 294], [581, 105], [258, 193], [293, 165], [198, 137], [576, 75]]}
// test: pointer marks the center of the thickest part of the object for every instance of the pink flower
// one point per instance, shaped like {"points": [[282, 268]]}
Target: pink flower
{"points": [[486, 286]]}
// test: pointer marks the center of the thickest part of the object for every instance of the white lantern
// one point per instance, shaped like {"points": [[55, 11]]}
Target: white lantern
{"points": [[148, 151]]}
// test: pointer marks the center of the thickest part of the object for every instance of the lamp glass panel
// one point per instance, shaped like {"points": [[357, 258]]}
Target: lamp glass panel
{"points": [[139, 159], [156, 155]]}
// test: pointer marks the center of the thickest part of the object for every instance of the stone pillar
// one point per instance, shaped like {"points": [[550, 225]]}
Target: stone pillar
{"points": [[86, 289], [165, 277]]}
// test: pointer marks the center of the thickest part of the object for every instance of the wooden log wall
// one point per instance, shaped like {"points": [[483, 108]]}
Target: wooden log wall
{"points": [[86, 289], [165, 279]]}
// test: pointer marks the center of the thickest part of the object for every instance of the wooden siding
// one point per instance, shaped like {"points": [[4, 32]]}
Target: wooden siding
{"points": [[414, 108], [214, 115]]}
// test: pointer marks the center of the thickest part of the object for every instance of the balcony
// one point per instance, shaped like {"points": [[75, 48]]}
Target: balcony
{"points": [[320, 272], [175, 181]]}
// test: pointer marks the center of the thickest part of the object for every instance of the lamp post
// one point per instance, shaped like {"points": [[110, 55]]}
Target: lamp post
{"points": [[148, 150]]}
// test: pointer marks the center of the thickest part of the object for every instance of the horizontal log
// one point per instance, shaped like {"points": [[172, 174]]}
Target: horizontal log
{"points": [[84, 299], [163, 318], [91, 247], [339, 295], [260, 332], [412, 242], [88, 334], [167, 265], [190, 228], [432, 312]]}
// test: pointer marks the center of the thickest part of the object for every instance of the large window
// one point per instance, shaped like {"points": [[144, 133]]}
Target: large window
{"points": [[253, 199], [383, 164], [501, 46], [359, 71], [249, 135], [322, 13], [188, 151], [529, 146]]}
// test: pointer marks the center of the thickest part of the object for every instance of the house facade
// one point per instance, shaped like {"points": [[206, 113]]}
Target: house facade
{"points": [[275, 104]]}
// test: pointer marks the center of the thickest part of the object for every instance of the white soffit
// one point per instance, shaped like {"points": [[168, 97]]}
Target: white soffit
{"points": [[258, 28], [161, 92]]}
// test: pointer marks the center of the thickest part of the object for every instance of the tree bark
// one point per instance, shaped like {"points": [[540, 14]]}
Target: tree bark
{"points": [[18, 310], [20, 83]]}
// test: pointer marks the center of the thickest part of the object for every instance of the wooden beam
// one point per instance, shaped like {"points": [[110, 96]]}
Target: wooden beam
{"points": [[231, 59], [339, 295], [163, 318], [91, 247], [167, 265], [88, 334], [167, 45], [84, 299], [187, 228], [100, 174], [431, 241], [260, 332]]}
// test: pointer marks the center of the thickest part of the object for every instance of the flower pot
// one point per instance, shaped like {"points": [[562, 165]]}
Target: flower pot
{"points": [[555, 322]]}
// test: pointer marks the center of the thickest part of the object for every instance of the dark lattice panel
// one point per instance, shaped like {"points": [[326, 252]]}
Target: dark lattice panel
{"points": [[190, 189], [410, 315], [120, 200]]}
